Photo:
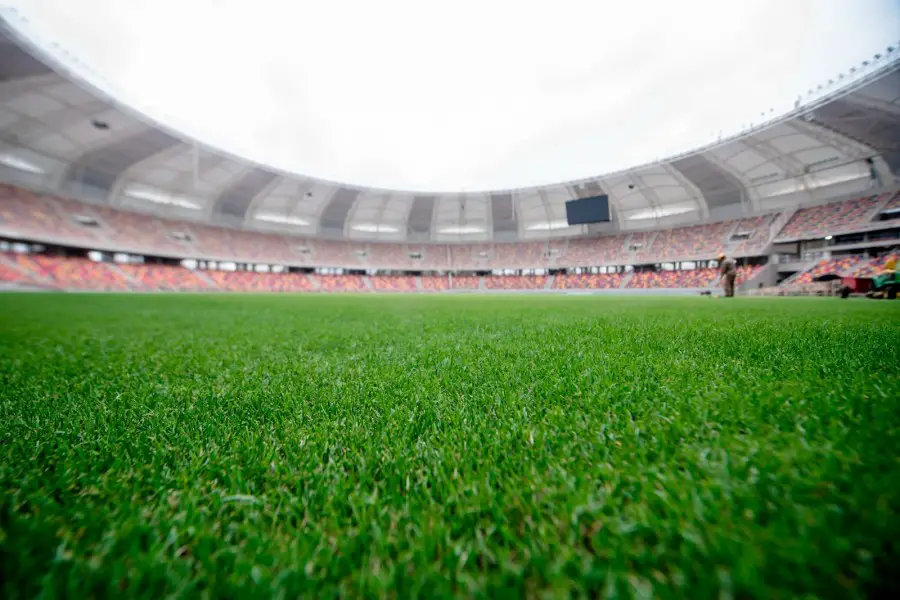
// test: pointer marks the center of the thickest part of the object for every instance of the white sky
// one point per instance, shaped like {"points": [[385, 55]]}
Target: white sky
{"points": [[467, 94]]}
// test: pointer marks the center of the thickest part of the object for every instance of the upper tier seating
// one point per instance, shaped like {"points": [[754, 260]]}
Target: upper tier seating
{"points": [[697, 241], [39, 217], [523, 256], [758, 229], [31, 214], [607, 250], [835, 217]]}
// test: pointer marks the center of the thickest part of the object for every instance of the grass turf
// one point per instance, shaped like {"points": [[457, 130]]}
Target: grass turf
{"points": [[250, 446]]}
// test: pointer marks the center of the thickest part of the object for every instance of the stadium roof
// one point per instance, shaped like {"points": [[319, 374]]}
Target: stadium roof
{"points": [[60, 133]]}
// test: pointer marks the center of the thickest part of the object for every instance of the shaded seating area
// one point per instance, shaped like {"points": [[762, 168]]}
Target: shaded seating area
{"points": [[826, 219]]}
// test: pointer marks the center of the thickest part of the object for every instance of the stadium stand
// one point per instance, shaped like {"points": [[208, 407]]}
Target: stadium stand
{"points": [[84, 274], [393, 256], [167, 278], [465, 282], [607, 250], [341, 283], [586, 281], [27, 262], [524, 256], [515, 282], [81, 273], [435, 284], [26, 215], [698, 241], [870, 267], [130, 231], [433, 257], [695, 278], [393, 283], [832, 218], [455, 282], [757, 233], [229, 244], [699, 278], [472, 257], [248, 281], [841, 265], [11, 273], [29, 214]]}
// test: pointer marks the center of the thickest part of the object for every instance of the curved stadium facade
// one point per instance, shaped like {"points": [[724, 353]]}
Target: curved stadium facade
{"points": [[85, 174]]}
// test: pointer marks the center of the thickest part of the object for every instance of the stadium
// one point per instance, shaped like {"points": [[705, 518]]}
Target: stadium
{"points": [[272, 384]]}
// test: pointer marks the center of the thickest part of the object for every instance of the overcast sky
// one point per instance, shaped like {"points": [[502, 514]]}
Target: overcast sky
{"points": [[466, 94]]}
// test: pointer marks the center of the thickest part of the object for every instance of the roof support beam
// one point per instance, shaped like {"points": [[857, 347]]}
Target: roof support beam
{"points": [[832, 139], [210, 207], [150, 162], [258, 198], [790, 166], [747, 196], [864, 101], [696, 194]]}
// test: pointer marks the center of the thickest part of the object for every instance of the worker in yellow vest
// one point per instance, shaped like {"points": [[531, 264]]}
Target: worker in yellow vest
{"points": [[890, 265]]}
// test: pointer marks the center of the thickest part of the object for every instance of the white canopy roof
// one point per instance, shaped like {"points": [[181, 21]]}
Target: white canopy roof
{"points": [[59, 133]]}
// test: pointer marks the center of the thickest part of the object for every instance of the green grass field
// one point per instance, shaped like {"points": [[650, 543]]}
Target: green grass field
{"points": [[258, 446]]}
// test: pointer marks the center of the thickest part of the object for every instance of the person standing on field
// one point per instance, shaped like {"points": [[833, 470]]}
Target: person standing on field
{"points": [[727, 274]]}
